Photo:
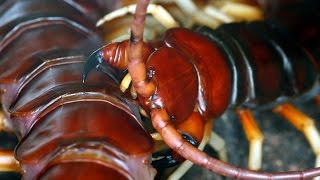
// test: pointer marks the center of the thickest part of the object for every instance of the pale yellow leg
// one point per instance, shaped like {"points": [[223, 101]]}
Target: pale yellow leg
{"points": [[7, 162], [240, 11], [156, 136], [304, 124], [219, 12], [158, 12], [125, 83], [255, 138], [195, 14]]}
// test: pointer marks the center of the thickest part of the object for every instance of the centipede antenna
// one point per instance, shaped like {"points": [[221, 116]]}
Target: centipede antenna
{"points": [[136, 66]]}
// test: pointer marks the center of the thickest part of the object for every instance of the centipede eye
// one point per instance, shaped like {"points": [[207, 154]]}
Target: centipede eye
{"points": [[93, 61]]}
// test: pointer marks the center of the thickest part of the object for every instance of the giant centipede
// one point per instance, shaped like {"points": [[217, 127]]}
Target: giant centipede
{"points": [[67, 128]]}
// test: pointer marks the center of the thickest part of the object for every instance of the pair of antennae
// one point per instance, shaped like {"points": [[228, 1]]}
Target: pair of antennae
{"points": [[161, 120]]}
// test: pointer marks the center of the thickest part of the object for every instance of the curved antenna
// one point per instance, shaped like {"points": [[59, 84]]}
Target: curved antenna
{"points": [[161, 121], [136, 65]]}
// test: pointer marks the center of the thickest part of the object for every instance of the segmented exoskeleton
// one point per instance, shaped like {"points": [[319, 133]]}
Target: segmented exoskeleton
{"points": [[66, 129], [241, 64]]}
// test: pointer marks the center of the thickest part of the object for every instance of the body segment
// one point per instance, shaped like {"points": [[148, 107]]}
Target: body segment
{"points": [[64, 126]]}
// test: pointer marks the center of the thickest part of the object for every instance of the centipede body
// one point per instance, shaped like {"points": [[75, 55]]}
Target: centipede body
{"points": [[18, 103]]}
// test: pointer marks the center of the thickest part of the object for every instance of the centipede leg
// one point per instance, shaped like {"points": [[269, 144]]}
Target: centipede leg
{"points": [[254, 136], [159, 14], [238, 10], [303, 123], [125, 83], [157, 11], [8, 163], [218, 12], [219, 145]]}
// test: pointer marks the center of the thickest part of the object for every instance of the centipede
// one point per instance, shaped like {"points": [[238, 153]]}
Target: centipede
{"points": [[60, 91]]}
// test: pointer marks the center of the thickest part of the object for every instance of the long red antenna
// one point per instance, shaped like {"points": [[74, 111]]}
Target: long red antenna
{"points": [[136, 65], [162, 124]]}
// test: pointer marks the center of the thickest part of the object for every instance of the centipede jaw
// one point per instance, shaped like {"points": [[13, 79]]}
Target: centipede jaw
{"points": [[111, 58], [93, 61]]}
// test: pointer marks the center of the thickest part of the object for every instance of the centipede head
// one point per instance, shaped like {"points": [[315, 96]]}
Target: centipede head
{"points": [[176, 81]]}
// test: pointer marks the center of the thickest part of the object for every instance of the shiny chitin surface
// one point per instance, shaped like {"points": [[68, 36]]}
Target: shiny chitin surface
{"points": [[66, 129]]}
